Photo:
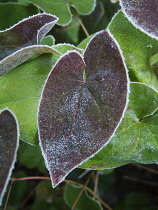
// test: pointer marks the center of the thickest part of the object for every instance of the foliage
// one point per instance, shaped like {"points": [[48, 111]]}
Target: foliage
{"points": [[91, 103]]}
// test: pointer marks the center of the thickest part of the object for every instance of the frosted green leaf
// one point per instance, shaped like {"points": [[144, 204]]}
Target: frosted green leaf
{"points": [[61, 8], [138, 48]]}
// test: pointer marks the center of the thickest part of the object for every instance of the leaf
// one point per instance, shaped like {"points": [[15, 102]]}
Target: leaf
{"points": [[138, 48], [85, 201], [80, 110], [136, 137], [142, 14], [61, 8], [21, 88], [14, 13], [9, 141], [20, 42]]}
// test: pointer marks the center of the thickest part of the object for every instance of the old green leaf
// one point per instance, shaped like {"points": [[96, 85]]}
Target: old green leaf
{"points": [[61, 8], [9, 141], [80, 110], [138, 48], [21, 41], [85, 201], [136, 137], [143, 14]]}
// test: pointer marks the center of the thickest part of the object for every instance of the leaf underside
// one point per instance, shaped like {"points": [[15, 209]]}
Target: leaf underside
{"points": [[143, 14], [81, 105], [8, 148], [21, 41]]}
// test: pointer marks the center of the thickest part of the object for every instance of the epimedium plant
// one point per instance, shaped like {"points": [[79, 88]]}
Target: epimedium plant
{"points": [[73, 100]]}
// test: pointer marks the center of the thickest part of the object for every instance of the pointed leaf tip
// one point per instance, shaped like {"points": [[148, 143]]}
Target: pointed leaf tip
{"points": [[82, 104], [143, 14], [9, 141]]}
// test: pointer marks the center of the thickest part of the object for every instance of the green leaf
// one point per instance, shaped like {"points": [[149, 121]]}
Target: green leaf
{"points": [[137, 49], [20, 42], [13, 13], [143, 15], [31, 157], [20, 91], [154, 59], [85, 201], [80, 110], [61, 8], [136, 137], [9, 141], [48, 40]]}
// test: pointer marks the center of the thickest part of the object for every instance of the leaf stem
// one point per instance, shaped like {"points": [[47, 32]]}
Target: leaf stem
{"points": [[79, 195], [89, 190]]}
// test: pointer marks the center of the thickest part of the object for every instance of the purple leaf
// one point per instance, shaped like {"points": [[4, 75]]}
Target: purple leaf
{"points": [[82, 104], [9, 142], [22, 40], [143, 14]]}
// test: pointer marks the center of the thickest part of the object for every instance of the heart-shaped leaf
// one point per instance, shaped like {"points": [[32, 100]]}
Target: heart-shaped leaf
{"points": [[61, 8], [143, 14], [20, 42], [9, 142], [82, 104]]}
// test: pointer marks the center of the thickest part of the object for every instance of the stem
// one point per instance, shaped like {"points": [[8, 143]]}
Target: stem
{"points": [[89, 190], [79, 195]]}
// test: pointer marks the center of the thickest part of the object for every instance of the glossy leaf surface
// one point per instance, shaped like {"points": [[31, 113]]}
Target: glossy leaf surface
{"points": [[20, 42], [9, 141], [143, 14], [61, 8], [136, 137], [138, 48], [82, 104]]}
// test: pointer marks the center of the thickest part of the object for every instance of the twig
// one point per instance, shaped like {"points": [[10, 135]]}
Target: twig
{"points": [[79, 195], [6, 202], [89, 190], [145, 168], [96, 183]]}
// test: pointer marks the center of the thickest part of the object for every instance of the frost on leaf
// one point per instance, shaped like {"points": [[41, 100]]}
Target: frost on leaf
{"points": [[82, 104], [22, 40], [9, 142], [143, 14]]}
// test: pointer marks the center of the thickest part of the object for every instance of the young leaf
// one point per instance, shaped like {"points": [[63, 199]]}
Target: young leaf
{"points": [[136, 137], [9, 141], [61, 8], [20, 42], [138, 48], [82, 104], [142, 14], [85, 201]]}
